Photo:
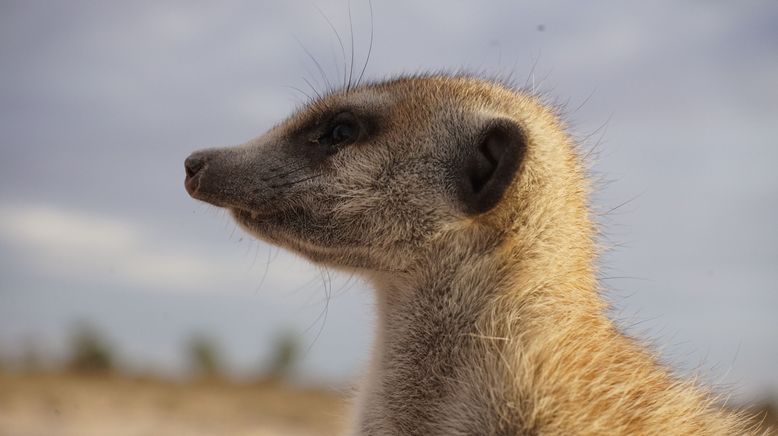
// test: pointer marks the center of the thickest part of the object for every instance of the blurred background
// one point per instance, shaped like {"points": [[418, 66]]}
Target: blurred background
{"points": [[128, 308]]}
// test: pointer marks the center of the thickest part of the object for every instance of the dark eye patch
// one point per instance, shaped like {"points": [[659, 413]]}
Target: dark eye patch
{"points": [[326, 132]]}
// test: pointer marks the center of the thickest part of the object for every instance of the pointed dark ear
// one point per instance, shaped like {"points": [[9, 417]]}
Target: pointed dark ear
{"points": [[490, 165]]}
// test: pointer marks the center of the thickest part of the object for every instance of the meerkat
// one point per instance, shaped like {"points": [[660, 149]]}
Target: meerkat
{"points": [[464, 203]]}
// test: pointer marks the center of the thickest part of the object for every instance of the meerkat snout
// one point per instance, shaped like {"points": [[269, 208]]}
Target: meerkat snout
{"points": [[216, 176]]}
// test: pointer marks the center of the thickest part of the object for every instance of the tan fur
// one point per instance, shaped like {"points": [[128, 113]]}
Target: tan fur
{"points": [[487, 324]]}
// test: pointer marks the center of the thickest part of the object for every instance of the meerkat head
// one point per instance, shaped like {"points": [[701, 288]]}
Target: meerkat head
{"points": [[368, 177]]}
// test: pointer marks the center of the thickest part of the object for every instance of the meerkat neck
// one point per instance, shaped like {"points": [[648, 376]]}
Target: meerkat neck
{"points": [[431, 325], [512, 341]]}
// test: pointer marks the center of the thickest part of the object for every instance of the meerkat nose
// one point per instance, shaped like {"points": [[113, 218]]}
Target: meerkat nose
{"points": [[193, 164]]}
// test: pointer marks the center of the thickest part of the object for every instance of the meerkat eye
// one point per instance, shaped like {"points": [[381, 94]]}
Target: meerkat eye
{"points": [[344, 129], [343, 132]]}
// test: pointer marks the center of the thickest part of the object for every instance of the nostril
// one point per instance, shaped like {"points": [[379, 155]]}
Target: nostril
{"points": [[193, 165]]}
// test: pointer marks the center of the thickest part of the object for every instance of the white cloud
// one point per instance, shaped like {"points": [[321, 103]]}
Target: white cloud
{"points": [[85, 246], [66, 231]]}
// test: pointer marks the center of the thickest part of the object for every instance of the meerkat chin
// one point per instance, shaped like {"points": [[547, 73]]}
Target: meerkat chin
{"points": [[464, 202]]}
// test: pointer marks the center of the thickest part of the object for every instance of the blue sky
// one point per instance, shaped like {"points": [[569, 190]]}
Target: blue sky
{"points": [[101, 102]]}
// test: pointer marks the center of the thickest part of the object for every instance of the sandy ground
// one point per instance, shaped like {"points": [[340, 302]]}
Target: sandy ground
{"points": [[67, 405], [72, 405]]}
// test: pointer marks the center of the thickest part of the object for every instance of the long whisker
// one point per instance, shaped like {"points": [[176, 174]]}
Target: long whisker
{"points": [[337, 35], [370, 48], [264, 274], [351, 33], [316, 62], [325, 310], [313, 88], [294, 88]]}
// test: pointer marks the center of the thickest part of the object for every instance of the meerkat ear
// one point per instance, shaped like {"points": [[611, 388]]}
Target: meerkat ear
{"points": [[491, 165]]}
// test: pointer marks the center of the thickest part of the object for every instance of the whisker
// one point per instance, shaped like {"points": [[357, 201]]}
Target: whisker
{"points": [[337, 35], [351, 33], [283, 185], [279, 167], [370, 47], [307, 96], [316, 62], [325, 311], [313, 88], [264, 274], [286, 174]]}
